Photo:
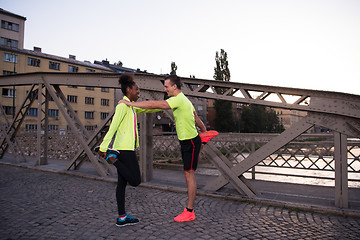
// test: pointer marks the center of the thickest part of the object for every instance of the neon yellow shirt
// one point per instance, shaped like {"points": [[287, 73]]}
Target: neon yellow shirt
{"points": [[124, 125], [183, 111]]}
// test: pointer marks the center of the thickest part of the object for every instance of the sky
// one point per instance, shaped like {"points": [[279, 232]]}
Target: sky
{"points": [[308, 44]]}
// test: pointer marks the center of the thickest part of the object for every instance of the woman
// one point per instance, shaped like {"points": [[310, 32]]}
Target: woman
{"points": [[126, 140]]}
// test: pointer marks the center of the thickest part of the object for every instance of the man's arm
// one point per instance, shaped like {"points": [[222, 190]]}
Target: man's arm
{"points": [[147, 104], [199, 123]]}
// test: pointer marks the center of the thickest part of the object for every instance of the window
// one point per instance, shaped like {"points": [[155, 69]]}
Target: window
{"points": [[10, 58], [31, 127], [9, 26], [105, 89], [104, 102], [89, 115], [71, 98], [90, 70], [8, 92], [53, 113], [73, 69], [90, 88], [9, 110], [89, 127], [8, 42], [104, 115], [53, 127], [54, 65], [33, 112], [89, 100], [34, 62]]}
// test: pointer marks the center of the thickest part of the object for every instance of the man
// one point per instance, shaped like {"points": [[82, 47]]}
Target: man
{"points": [[185, 119]]}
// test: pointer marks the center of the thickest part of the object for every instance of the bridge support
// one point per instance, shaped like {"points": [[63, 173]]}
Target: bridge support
{"points": [[263, 152], [146, 146], [341, 176], [81, 138]]}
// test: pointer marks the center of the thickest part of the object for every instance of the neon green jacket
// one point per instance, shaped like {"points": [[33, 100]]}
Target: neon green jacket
{"points": [[124, 124]]}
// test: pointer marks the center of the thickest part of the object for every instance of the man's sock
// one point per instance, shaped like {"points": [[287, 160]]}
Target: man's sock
{"points": [[122, 218], [189, 210]]}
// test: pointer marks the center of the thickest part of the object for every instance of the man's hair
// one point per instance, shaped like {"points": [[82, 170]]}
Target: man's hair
{"points": [[126, 81], [174, 80]]}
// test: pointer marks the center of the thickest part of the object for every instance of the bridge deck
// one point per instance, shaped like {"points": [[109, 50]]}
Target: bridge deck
{"points": [[305, 197]]}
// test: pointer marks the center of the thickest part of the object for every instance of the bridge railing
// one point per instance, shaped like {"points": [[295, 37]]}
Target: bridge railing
{"points": [[309, 157]]}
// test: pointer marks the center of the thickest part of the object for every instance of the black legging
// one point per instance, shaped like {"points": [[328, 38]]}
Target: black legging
{"points": [[128, 172]]}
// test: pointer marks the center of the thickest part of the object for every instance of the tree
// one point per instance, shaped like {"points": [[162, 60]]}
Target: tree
{"points": [[258, 119], [173, 68], [221, 71], [224, 118], [119, 63]]}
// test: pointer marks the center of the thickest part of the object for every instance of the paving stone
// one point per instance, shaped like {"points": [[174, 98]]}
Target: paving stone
{"points": [[42, 205]]}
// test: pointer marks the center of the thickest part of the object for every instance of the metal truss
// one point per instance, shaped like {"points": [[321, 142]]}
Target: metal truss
{"points": [[339, 112], [17, 121], [12, 144]]}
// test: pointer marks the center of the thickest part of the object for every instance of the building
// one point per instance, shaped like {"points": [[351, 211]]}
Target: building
{"points": [[289, 117], [12, 29], [15, 59], [86, 102]]}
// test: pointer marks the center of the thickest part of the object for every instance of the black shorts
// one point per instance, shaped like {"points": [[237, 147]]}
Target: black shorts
{"points": [[190, 150]]}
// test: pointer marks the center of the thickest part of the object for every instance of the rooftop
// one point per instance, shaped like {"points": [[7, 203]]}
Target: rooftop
{"points": [[12, 14]]}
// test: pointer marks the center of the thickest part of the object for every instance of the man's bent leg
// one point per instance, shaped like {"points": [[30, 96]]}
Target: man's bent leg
{"points": [[191, 184]]}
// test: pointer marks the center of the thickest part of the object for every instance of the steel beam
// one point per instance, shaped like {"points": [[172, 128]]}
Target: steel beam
{"points": [[340, 103], [341, 173], [345, 125], [92, 142], [79, 138], [224, 166], [146, 153], [14, 145], [253, 159], [19, 118], [71, 111]]}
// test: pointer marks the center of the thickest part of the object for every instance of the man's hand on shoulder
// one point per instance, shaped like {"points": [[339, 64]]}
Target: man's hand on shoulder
{"points": [[124, 101]]}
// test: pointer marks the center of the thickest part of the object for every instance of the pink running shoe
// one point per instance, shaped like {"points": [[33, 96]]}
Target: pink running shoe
{"points": [[185, 216]]}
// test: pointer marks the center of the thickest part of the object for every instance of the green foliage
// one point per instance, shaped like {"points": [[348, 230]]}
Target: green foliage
{"points": [[224, 119], [221, 71], [257, 119], [119, 63], [173, 68]]}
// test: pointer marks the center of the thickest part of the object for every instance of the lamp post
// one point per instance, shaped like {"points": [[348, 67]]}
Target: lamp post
{"points": [[13, 111]]}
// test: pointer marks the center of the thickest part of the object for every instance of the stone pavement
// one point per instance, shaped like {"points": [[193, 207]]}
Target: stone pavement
{"points": [[45, 205]]}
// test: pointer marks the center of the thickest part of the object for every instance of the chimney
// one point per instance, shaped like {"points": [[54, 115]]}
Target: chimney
{"points": [[37, 49], [72, 57]]}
